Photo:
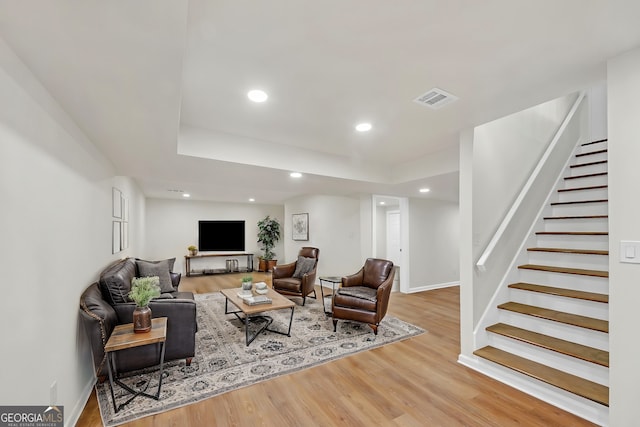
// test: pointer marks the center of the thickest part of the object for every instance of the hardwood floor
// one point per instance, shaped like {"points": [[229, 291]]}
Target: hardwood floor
{"points": [[416, 382]]}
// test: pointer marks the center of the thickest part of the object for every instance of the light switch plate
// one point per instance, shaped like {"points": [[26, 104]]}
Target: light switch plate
{"points": [[630, 251]]}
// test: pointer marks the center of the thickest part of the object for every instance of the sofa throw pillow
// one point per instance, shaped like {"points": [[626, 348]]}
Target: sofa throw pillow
{"points": [[160, 269], [115, 281], [303, 266]]}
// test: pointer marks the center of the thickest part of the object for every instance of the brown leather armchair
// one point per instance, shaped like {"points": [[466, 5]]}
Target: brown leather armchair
{"points": [[297, 278], [364, 296]]}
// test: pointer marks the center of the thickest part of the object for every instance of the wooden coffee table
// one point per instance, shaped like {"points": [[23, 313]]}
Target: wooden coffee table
{"points": [[256, 312]]}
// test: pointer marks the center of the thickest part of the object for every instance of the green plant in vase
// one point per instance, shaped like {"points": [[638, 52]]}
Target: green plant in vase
{"points": [[143, 290], [247, 284], [268, 236]]}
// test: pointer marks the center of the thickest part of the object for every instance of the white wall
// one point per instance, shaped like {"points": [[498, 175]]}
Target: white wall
{"points": [[505, 152], [435, 243], [467, 308], [624, 224], [598, 124], [56, 237], [172, 225], [334, 228]]}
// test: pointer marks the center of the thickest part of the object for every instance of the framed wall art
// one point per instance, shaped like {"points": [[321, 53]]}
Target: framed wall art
{"points": [[116, 203], [300, 226], [116, 237]]}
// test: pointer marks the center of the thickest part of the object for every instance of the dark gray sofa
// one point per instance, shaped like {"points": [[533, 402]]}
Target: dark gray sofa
{"points": [[105, 304]]}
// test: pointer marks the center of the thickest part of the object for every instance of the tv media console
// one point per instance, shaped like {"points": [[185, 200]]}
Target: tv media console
{"points": [[231, 266]]}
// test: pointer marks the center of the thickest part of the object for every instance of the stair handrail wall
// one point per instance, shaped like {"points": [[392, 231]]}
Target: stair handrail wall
{"points": [[490, 314], [515, 207]]}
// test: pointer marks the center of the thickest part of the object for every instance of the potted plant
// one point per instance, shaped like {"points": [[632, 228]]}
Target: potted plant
{"points": [[143, 290], [193, 250], [247, 283], [268, 236]]}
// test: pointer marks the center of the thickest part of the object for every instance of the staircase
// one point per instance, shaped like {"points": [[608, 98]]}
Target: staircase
{"points": [[555, 326]]}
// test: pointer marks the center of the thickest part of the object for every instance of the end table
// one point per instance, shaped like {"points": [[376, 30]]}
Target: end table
{"points": [[122, 338], [333, 280]]}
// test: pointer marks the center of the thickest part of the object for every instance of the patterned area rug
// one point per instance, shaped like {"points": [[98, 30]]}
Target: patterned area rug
{"points": [[223, 362]]}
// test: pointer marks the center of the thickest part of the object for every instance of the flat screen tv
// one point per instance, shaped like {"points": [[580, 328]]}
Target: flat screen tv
{"points": [[221, 235]]}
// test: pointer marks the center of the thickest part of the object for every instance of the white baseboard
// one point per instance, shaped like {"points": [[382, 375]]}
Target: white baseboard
{"points": [[569, 402], [432, 287], [72, 417]]}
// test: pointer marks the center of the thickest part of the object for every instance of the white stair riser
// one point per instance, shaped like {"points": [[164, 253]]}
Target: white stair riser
{"points": [[598, 285], [587, 169], [588, 262], [585, 224], [571, 333], [572, 196], [582, 209], [597, 310], [600, 243], [590, 148], [590, 371], [596, 157], [585, 182]]}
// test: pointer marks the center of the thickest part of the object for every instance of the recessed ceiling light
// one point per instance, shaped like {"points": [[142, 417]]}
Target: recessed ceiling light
{"points": [[252, 199], [186, 195], [382, 203], [295, 174], [257, 95], [363, 127], [424, 190]]}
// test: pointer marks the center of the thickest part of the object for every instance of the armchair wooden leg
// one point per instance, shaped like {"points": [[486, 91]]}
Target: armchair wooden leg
{"points": [[304, 299], [375, 329], [335, 324], [188, 361]]}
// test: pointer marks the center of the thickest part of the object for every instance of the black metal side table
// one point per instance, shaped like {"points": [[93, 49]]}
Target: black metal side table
{"points": [[122, 338], [333, 280]]}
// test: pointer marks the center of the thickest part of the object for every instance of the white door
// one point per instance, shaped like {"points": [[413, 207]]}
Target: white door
{"points": [[393, 237], [394, 244]]}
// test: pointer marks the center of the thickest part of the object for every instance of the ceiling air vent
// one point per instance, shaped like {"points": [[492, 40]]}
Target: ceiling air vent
{"points": [[435, 98]]}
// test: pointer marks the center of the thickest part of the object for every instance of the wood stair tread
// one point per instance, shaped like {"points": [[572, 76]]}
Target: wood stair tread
{"points": [[572, 233], [557, 316], [592, 153], [570, 251], [594, 142], [577, 217], [592, 187], [590, 175], [579, 202], [588, 389], [562, 292], [580, 165], [565, 270], [579, 351]]}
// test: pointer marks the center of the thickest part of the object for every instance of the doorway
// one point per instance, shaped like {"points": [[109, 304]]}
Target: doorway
{"points": [[390, 236]]}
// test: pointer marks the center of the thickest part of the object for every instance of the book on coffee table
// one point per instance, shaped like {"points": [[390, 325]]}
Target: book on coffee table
{"points": [[258, 299]]}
